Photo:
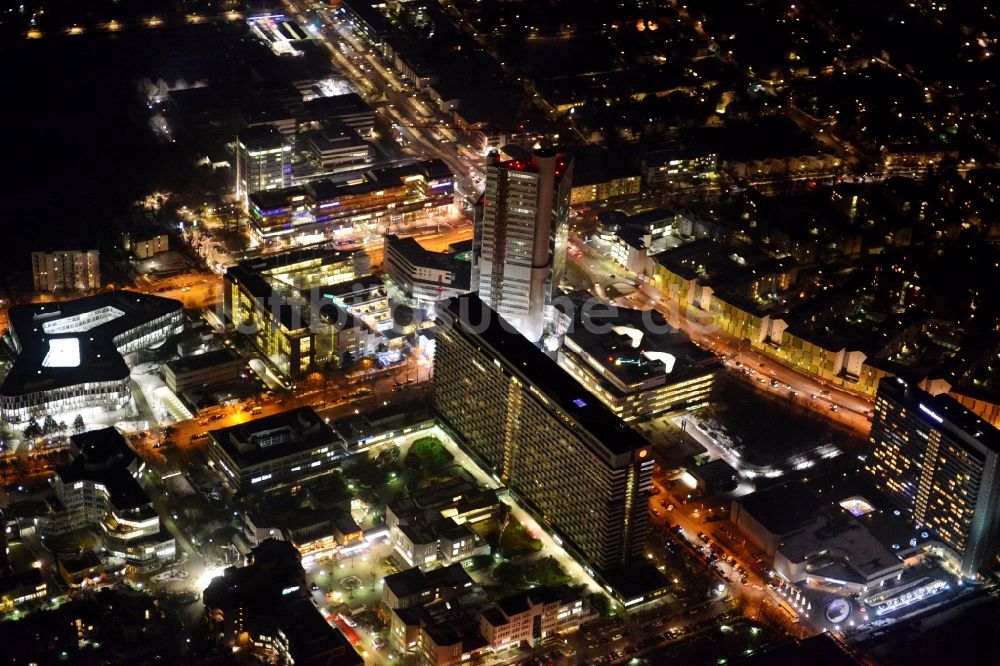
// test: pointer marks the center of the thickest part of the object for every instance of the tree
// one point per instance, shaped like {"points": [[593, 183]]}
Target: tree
{"points": [[78, 424], [49, 425], [32, 430]]}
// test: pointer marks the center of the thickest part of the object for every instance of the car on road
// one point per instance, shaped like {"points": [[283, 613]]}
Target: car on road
{"points": [[833, 408]]}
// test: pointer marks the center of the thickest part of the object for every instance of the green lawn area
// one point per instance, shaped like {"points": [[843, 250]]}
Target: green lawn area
{"points": [[71, 542], [546, 571], [427, 453], [516, 541]]}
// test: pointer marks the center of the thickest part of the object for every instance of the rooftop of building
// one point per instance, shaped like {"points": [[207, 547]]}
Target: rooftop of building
{"points": [[333, 136], [312, 640], [637, 350], [254, 274], [783, 508], [274, 437], [203, 361], [355, 428], [709, 262], [73, 342], [838, 546], [73, 564], [456, 493], [261, 137], [640, 579], [528, 162], [13, 581], [414, 581], [417, 255], [543, 373], [105, 457], [359, 288]]}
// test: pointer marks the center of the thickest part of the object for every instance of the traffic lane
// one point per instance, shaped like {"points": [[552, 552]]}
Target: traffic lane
{"points": [[756, 590]]}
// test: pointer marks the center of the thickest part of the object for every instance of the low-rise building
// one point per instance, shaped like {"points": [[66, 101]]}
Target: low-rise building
{"points": [[213, 367], [275, 451], [412, 587], [337, 148], [100, 489], [532, 617], [267, 603], [444, 541], [17, 589], [424, 276]]}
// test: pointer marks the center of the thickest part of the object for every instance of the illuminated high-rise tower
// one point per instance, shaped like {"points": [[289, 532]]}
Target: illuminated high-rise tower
{"points": [[940, 463], [263, 161], [521, 235]]}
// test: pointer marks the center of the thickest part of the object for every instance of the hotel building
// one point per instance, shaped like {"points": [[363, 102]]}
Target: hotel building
{"points": [[519, 245], [584, 473], [70, 354], [939, 463]]}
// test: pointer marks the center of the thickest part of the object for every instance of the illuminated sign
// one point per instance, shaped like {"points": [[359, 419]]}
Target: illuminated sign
{"points": [[289, 590], [579, 403], [838, 610], [931, 414]]}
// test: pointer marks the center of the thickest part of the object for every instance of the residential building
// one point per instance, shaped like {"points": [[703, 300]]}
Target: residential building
{"points": [[445, 541], [584, 473], [146, 245], [532, 617], [938, 462], [69, 270], [70, 355], [100, 489], [519, 249], [213, 367], [263, 161], [280, 450], [672, 168], [412, 587], [422, 276]]}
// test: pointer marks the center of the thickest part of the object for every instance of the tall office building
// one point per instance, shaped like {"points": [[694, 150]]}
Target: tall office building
{"points": [[584, 473], [520, 242], [939, 462], [71, 270], [263, 161]]}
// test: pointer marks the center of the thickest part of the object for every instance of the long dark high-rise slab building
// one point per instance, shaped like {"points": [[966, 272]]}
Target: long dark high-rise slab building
{"points": [[940, 463], [583, 472]]}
